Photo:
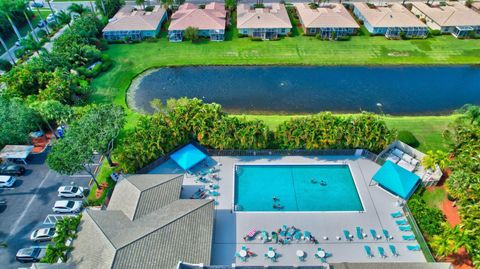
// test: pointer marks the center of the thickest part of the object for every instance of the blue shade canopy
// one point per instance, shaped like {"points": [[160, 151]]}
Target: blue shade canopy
{"points": [[188, 156], [396, 179]]}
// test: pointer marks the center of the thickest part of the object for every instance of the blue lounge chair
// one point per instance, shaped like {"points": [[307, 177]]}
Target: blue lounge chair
{"points": [[401, 222], [307, 234], [264, 236], [408, 237], [405, 228], [382, 252], [214, 193], [297, 235], [359, 233], [387, 234], [414, 248], [397, 214], [374, 234], [283, 231], [368, 250], [348, 237], [393, 250]]}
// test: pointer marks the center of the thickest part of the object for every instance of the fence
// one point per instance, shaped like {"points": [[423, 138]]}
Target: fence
{"points": [[418, 235], [267, 152]]}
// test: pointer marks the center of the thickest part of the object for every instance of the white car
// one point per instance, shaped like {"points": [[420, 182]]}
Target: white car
{"points": [[7, 181], [70, 192], [51, 18], [43, 234], [67, 206]]}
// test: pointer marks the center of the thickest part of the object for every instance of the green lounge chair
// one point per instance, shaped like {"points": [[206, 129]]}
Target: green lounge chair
{"points": [[397, 214], [382, 252], [264, 236], [387, 234], [401, 222], [393, 250], [284, 230], [274, 237], [347, 235], [414, 248], [368, 250], [374, 234], [405, 228], [307, 234], [359, 233], [408, 237]]}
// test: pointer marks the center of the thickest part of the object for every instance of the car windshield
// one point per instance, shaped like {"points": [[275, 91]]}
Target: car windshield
{"points": [[51, 232], [70, 204], [35, 252], [74, 189]]}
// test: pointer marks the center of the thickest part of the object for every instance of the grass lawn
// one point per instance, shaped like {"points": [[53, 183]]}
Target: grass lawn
{"points": [[427, 129], [103, 176], [434, 197]]}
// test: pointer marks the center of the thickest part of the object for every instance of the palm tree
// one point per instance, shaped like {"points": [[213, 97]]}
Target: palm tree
{"points": [[53, 11], [432, 158], [140, 3], [64, 17], [43, 20], [22, 5], [7, 50], [78, 8], [6, 9]]}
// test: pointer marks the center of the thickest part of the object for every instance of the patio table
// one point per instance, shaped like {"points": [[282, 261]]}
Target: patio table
{"points": [[321, 254], [300, 253], [271, 254], [242, 253]]}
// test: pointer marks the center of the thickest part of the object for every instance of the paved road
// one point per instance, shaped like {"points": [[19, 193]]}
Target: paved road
{"points": [[28, 204]]}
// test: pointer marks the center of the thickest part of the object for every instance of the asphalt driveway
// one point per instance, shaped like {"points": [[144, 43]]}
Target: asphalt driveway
{"points": [[29, 202]]}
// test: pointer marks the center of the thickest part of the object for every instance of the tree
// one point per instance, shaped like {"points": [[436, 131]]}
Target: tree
{"points": [[22, 5], [140, 3], [471, 113], [109, 7], [52, 10], [78, 8], [191, 33], [231, 5], [7, 7], [7, 50], [42, 19], [64, 17], [432, 158], [17, 122], [52, 111]]}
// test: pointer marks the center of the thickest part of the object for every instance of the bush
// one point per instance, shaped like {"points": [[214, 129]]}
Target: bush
{"points": [[256, 39], [428, 218], [408, 138], [5, 65], [434, 32], [149, 8]]}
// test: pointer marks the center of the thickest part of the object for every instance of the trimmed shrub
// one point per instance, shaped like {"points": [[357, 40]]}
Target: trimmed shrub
{"points": [[408, 138], [5, 65]]}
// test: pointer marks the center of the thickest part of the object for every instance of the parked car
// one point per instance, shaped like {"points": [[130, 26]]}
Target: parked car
{"points": [[67, 206], [43, 234], [70, 192], [51, 18], [11, 169], [31, 254], [41, 23], [37, 3], [7, 181]]}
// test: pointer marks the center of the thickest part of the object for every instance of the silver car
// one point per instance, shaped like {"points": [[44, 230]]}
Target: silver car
{"points": [[43, 234], [7, 181]]}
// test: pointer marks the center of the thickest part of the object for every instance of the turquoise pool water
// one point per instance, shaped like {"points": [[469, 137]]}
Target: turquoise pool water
{"points": [[297, 187]]}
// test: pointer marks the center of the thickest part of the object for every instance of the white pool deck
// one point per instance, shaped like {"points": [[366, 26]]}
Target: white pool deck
{"points": [[231, 227]]}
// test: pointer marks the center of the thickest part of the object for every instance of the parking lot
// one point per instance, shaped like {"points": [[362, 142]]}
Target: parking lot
{"points": [[29, 202]]}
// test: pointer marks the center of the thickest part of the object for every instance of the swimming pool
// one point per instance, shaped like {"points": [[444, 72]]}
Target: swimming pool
{"points": [[295, 188]]}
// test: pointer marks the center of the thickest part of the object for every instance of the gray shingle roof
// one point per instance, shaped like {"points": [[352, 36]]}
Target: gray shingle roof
{"points": [[138, 195], [164, 229]]}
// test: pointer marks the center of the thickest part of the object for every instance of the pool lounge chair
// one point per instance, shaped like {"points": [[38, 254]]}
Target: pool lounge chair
{"points": [[397, 214], [368, 250], [401, 222], [284, 230], [307, 235], [408, 237], [359, 233], [387, 235], [405, 228], [274, 237], [374, 234], [414, 248], [382, 252], [347, 234], [264, 236], [297, 235], [393, 250], [243, 259]]}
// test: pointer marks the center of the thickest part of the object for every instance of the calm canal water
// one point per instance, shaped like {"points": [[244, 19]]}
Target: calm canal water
{"points": [[243, 89]]}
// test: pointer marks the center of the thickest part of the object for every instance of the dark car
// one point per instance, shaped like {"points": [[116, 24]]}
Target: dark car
{"points": [[11, 169], [31, 254]]}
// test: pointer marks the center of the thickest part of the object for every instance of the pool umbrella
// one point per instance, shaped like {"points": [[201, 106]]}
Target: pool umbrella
{"points": [[252, 233]]}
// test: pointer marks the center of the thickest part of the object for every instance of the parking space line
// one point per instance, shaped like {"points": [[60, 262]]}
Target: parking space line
{"points": [[17, 222]]}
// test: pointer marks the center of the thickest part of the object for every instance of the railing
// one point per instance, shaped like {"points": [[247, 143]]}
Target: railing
{"points": [[268, 152], [418, 235], [373, 157]]}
